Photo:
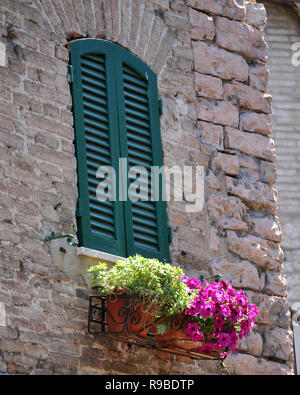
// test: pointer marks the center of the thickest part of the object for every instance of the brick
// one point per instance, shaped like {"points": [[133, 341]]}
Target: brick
{"points": [[203, 27], [17, 66], [6, 124], [24, 38], [267, 227], [46, 92], [250, 144], [229, 164], [228, 8], [255, 194], [228, 212], [208, 86], [32, 222], [9, 110], [52, 156], [47, 48], [22, 174], [267, 172], [62, 53], [51, 110], [10, 140], [211, 134], [218, 112], [276, 284], [209, 59], [241, 274], [241, 38], [36, 106], [51, 126], [5, 92], [248, 97], [264, 254], [22, 160], [259, 77], [9, 78], [44, 62], [256, 15], [254, 122], [46, 139], [21, 100]]}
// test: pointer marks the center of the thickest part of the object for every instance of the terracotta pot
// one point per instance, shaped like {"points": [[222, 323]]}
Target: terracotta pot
{"points": [[118, 308], [175, 336]]}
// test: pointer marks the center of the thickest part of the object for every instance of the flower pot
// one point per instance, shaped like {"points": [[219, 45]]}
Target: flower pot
{"points": [[116, 314], [176, 336], [125, 316]]}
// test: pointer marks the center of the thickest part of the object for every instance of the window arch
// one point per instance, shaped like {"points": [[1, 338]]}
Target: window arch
{"points": [[116, 115]]}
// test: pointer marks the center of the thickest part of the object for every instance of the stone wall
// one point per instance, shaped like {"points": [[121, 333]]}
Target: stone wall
{"points": [[283, 31], [210, 57]]}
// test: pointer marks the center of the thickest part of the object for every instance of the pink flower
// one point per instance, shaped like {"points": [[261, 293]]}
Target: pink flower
{"points": [[193, 283], [225, 310], [219, 323], [224, 315], [192, 330], [206, 348]]}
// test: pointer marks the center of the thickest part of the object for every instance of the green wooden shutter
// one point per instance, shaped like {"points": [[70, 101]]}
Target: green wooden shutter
{"points": [[146, 221], [100, 224]]}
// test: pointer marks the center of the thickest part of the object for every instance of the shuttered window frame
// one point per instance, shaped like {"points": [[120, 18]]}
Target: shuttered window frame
{"points": [[129, 219]]}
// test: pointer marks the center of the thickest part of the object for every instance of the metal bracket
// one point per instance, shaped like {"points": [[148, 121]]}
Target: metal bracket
{"points": [[53, 236]]}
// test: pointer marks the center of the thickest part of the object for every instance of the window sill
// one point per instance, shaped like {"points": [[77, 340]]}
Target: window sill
{"points": [[104, 256]]}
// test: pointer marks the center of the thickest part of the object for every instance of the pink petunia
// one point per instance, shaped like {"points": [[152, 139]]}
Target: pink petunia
{"points": [[206, 348]]}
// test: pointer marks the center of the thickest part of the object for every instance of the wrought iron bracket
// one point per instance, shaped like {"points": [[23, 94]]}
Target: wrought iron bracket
{"points": [[131, 326], [53, 236]]}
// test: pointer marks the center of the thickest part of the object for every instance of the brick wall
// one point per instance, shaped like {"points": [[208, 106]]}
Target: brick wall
{"points": [[210, 58]]}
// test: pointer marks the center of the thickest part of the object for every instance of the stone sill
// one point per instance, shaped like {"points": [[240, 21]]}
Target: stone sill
{"points": [[88, 252]]}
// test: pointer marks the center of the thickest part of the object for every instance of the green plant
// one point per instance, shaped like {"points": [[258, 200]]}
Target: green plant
{"points": [[156, 284]]}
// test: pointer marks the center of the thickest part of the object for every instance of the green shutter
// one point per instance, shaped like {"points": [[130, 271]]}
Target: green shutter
{"points": [[116, 113], [100, 224], [146, 221]]}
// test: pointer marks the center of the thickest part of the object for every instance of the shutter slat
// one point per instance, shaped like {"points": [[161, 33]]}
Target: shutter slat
{"points": [[91, 81], [136, 113], [135, 81], [132, 96], [95, 124], [137, 106], [92, 64], [95, 75], [101, 151], [96, 140], [136, 90], [95, 107], [96, 161], [94, 98], [93, 90], [95, 115]]}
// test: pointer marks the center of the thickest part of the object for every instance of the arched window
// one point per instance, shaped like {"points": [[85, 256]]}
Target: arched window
{"points": [[116, 114]]}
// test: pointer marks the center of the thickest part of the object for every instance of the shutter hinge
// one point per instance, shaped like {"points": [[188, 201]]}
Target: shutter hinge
{"points": [[170, 238], [160, 106], [70, 76]]}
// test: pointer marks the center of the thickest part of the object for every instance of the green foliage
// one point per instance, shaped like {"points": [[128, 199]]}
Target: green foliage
{"points": [[155, 283]]}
